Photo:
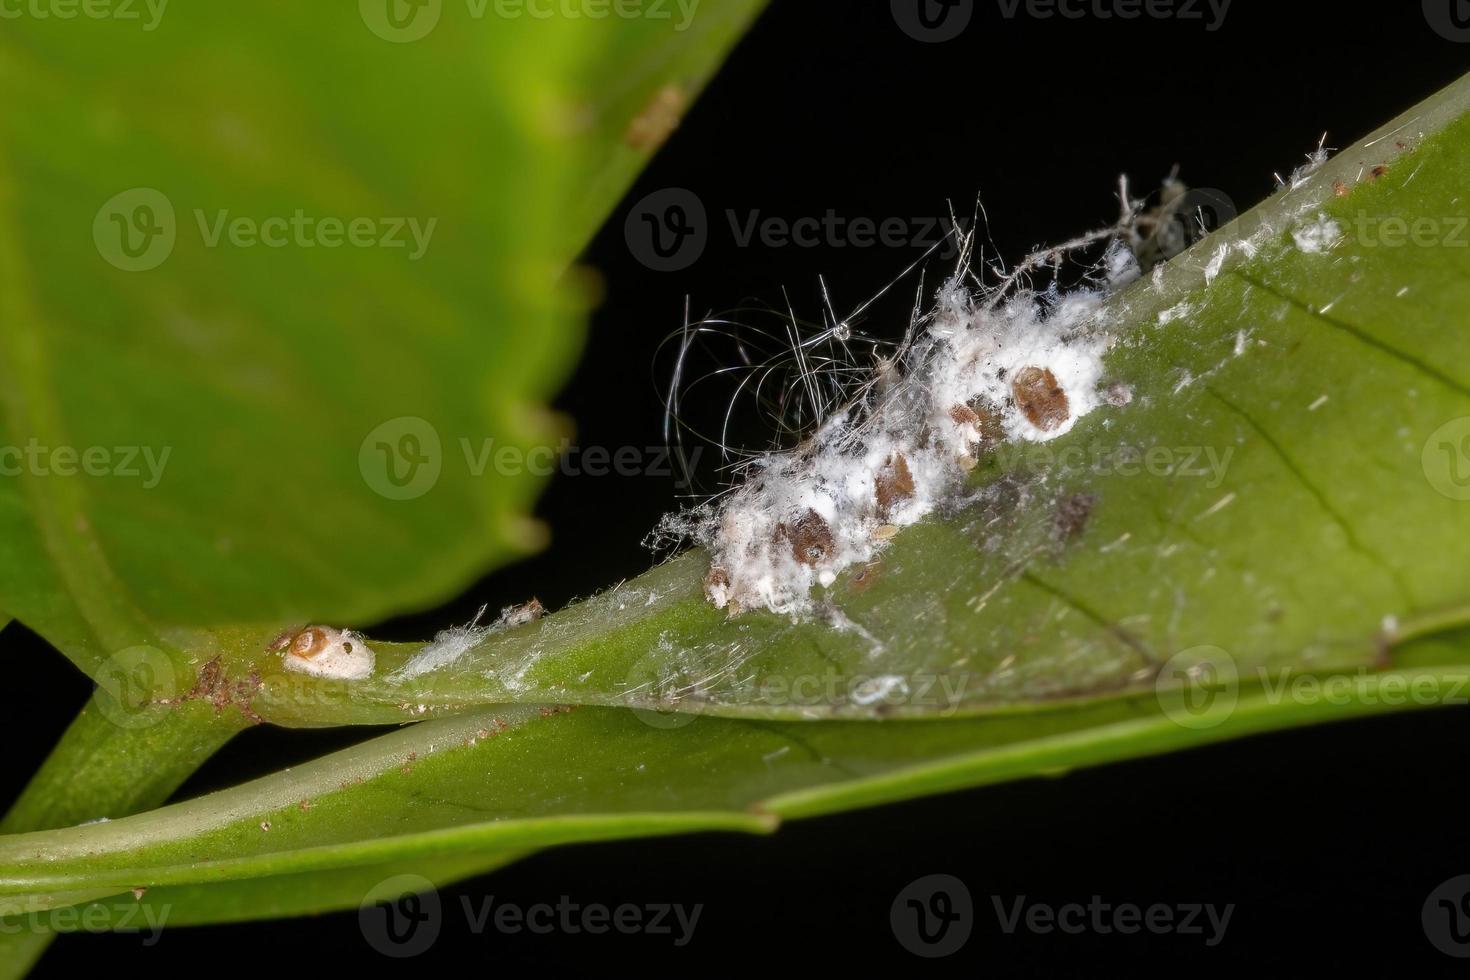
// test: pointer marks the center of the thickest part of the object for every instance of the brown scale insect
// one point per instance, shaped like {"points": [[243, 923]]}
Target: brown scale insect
{"points": [[893, 483], [1040, 398], [325, 652], [305, 642], [811, 539]]}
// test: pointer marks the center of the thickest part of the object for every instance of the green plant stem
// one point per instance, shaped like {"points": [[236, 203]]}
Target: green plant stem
{"points": [[99, 769]]}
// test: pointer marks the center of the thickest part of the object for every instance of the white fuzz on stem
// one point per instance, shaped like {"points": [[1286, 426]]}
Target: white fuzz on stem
{"points": [[986, 365], [990, 363]]}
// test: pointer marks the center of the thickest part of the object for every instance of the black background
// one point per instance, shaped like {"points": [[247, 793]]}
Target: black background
{"points": [[1327, 841]]}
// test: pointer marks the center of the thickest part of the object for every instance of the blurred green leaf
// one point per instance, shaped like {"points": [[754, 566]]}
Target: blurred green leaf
{"points": [[212, 429]]}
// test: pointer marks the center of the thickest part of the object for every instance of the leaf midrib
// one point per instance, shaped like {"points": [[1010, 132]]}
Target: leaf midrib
{"points": [[59, 506]]}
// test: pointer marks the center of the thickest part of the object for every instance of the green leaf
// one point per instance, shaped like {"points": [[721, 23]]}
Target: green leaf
{"points": [[279, 896], [435, 797], [1235, 514], [242, 403]]}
